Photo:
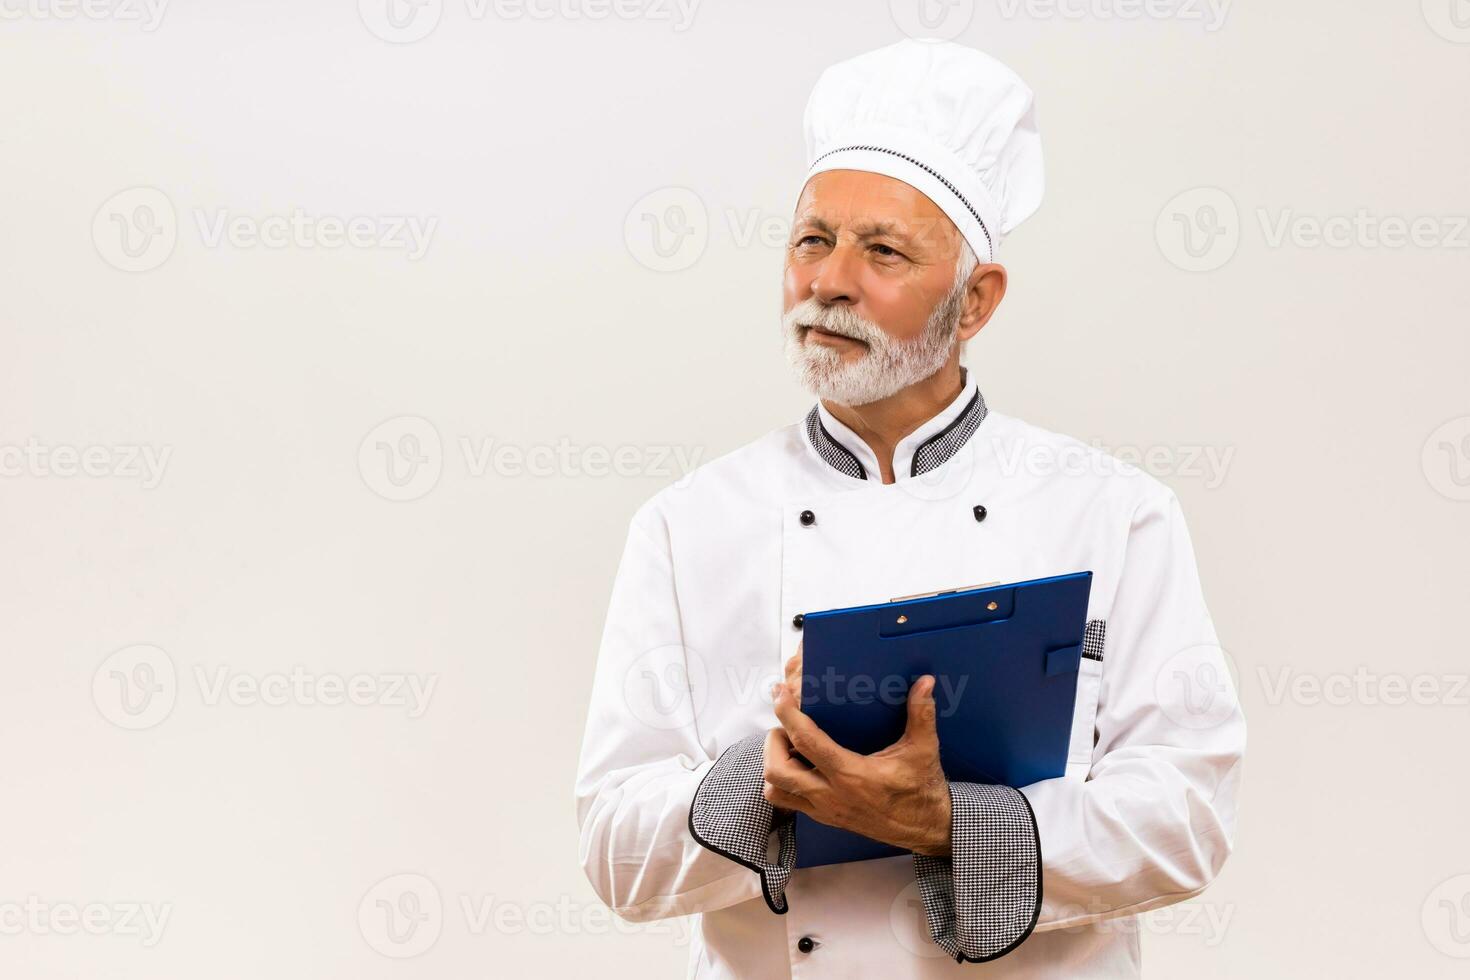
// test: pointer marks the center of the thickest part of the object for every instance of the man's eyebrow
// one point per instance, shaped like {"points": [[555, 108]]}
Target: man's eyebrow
{"points": [[812, 221], [879, 229], [870, 228]]}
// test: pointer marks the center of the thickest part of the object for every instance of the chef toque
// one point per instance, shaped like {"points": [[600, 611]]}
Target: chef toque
{"points": [[950, 121]]}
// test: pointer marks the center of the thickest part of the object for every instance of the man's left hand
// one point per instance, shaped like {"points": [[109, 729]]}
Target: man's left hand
{"points": [[898, 796]]}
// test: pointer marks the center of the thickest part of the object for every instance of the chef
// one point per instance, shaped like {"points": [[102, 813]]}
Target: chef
{"points": [[902, 479]]}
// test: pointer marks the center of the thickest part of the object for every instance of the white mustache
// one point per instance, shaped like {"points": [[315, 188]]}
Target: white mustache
{"points": [[840, 320]]}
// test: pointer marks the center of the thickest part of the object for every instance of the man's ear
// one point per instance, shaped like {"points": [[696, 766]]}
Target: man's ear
{"points": [[987, 287]]}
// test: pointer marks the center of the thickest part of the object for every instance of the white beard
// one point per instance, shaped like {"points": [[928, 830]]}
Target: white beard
{"points": [[886, 368]]}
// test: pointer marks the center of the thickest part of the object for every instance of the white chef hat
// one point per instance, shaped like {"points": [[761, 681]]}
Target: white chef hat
{"points": [[948, 120]]}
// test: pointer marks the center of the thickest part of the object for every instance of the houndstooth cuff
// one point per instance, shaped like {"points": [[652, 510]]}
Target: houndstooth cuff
{"points": [[983, 900], [731, 817]]}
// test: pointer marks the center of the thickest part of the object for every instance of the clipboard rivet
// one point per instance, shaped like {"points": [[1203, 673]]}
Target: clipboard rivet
{"points": [[992, 606], [797, 620], [980, 512], [903, 619], [808, 518]]}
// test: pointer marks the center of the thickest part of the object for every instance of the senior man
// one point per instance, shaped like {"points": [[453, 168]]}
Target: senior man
{"points": [[901, 480]]}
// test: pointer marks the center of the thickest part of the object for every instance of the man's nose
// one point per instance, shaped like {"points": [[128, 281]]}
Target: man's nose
{"points": [[837, 279]]}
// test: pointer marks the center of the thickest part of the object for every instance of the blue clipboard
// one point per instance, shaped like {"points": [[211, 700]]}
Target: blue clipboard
{"points": [[1005, 660]]}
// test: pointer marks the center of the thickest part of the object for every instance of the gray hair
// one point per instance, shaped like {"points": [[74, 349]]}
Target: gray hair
{"points": [[965, 264]]}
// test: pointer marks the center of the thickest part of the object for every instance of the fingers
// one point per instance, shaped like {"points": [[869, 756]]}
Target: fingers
{"points": [[793, 671], [806, 737], [791, 775], [787, 781], [782, 800], [922, 727], [777, 746]]}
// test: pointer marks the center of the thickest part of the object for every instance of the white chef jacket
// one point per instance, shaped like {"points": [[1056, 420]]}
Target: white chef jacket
{"points": [[704, 613]]}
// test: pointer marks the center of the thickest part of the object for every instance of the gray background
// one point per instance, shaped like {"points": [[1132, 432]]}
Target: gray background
{"points": [[1325, 381]]}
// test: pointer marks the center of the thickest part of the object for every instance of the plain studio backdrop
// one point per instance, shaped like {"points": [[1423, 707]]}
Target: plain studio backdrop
{"points": [[340, 342]]}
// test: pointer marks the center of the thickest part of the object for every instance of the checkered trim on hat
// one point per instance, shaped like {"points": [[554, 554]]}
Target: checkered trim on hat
{"points": [[1093, 636], [990, 242], [731, 817], [830, 449], [983, 900], [947, 441]]}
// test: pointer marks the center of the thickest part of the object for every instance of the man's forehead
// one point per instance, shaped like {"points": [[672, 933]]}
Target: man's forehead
{"points": [[870, 204]]}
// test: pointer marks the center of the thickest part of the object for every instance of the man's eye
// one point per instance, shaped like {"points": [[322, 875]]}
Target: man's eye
{"points": [[887, 251], [809, 240]]}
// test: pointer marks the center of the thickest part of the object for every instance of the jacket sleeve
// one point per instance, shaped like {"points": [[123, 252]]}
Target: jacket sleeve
{"points": [[1153, 821], [642, 759]]}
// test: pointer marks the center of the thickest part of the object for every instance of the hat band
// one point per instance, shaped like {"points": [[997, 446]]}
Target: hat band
{"points": [[989, 241]]}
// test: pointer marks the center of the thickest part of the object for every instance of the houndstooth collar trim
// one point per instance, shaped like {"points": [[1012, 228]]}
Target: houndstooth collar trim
{"points": [[926, 448]]}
